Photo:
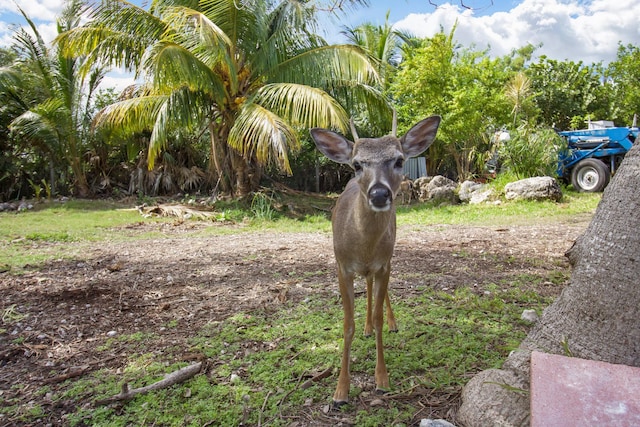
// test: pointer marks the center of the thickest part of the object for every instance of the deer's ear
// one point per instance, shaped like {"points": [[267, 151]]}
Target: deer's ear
{"points": [[420, 136], [334, 146]]}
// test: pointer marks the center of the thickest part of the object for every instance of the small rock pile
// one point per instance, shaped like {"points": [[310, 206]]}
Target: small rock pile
{"points": [[440, 189]]}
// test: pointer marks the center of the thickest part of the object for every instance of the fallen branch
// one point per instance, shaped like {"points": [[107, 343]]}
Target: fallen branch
{"points": [[174, 378], [72, 372], [308, 383], [324, 374]]}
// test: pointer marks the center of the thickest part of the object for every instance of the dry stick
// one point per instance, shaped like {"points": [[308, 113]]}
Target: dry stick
{"points": [[264, 405], [324, 374], [72, 373], [171, 379]]}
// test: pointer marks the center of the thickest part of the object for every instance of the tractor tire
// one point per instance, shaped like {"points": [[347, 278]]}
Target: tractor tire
{"points": [[590, 176]]}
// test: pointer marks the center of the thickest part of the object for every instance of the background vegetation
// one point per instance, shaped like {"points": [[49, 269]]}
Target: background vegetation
{"points": [[223, 106]]}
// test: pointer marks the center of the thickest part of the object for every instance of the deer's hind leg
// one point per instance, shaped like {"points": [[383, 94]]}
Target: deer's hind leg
{"points": [[391, 319]]}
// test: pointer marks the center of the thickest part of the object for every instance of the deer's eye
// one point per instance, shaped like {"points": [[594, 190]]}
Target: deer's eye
{"points": [[399, 163], [357, 166]]}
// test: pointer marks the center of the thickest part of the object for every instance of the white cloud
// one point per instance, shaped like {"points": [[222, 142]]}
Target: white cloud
{"points": [[587, 31], [41, 10], [43, 13], [117, 79]]}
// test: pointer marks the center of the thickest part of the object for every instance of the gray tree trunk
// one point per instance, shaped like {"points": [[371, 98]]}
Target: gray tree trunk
{"points": [[596, 317]]}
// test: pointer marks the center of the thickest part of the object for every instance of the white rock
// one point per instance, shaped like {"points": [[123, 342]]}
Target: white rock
{"points": [[529, 316], [536, 188]]}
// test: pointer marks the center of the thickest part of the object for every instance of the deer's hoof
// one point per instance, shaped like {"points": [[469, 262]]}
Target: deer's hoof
{"points": [[337, 404], [381, 391]]}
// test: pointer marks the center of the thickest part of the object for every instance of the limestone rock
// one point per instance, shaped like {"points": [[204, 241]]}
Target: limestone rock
{"points": [[536, 188]]}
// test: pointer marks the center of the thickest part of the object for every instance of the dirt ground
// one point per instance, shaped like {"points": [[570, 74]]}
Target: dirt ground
{"points": [[67, 309]]}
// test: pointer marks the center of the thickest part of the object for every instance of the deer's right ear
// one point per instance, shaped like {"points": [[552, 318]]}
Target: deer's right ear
{"points": [[333, 145]]}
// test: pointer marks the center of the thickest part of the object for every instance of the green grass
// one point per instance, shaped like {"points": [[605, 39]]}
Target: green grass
{"points": [[260, 360], [571, 206], [60, 230]]}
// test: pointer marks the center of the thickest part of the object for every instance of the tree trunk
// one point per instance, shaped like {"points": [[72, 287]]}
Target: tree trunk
{"points": [[81, 185], [219, 158], [241, 172], [595, 317]]}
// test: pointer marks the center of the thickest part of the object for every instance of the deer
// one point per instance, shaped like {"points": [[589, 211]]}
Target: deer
{"points": [[364, 229], [406, 189]]}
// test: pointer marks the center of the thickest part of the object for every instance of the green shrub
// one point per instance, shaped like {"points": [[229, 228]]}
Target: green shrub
{"points": [[531, 151]]}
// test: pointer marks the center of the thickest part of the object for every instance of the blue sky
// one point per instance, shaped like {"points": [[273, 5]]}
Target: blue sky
{"points": [[399, 9], [576, 30]]}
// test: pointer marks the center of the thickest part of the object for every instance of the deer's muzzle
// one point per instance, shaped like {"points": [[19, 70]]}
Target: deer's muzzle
{"points": [[380, 197]]}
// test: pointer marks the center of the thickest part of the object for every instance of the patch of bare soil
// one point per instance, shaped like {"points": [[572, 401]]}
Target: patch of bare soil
{"points": [[57, 316]]}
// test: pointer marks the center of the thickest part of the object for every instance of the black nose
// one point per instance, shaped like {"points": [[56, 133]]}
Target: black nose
{"points": [[379, 195]]}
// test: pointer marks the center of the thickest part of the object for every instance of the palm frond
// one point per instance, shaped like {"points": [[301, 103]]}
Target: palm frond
{"points": [[238, 23], [117, 35], [358, 99], [174, 66], [36, 54], [289, 24], [302, 105], [135, 114], [38, 128], [194, 30], [261, 133], [319, 66], [10, 86], [180, 110]]}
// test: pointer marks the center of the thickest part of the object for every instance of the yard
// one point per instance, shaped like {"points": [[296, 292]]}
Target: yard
{"points": [[88, 307]]}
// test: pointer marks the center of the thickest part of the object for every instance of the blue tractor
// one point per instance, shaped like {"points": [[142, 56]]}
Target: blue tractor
{"points": [[593, 155]]}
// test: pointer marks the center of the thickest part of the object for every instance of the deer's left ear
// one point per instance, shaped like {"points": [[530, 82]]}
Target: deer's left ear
{"points": [[420, 136]]}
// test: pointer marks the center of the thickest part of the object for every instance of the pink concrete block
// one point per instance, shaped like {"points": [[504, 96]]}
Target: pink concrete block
{"points": [[567, 391]]}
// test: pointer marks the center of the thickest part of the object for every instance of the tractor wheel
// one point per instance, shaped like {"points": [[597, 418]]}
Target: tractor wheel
{"points": [[590, 176]]}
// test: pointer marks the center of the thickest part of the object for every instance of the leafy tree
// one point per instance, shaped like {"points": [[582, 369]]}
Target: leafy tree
{"points": [[249, 77], [465, 87], [566, 89], [624, 79]]}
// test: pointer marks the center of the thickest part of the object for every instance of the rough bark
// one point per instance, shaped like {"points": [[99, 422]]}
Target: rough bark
{"points": [[595, 317]]}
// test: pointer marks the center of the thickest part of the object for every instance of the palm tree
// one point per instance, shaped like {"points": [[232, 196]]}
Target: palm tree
{"points": [[383, 46], [250, 77], [381, 43], [57, 120], [519, 93]]}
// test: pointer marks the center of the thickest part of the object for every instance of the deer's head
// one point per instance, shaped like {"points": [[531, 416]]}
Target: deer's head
{"points": [[378, 162]]}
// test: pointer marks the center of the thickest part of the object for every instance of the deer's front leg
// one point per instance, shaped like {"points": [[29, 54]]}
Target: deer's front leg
{"points": [[379, 296], [341, 396]]}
